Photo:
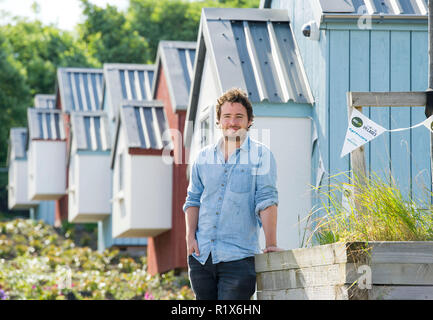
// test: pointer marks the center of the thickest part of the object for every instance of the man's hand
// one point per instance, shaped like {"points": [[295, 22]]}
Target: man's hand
{"points": [[269, 220], [272, 249], [191, 220], [192, 246]]}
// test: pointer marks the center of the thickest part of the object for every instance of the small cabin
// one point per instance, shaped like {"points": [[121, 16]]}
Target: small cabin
{"points": [[17, 175], [122, 82], [89, 183], [173, 74], [142, 171], [125, 82], [46, 154], [378, 46], [45, 101], [77, 90], [255, 50], [45, 211]]}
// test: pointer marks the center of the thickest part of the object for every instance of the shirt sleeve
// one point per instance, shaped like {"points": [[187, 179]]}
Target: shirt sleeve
{"points": [[266, 183], [195, 189]]}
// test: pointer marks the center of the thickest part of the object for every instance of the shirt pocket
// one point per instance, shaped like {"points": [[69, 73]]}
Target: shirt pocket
{"points": [[241, 179]]}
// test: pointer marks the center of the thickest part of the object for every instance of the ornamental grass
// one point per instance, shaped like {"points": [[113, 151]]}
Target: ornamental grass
{"points": [[370, 209]]}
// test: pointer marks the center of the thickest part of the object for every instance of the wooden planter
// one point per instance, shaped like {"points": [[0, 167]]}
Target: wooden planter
{"points": [[348, 271]]}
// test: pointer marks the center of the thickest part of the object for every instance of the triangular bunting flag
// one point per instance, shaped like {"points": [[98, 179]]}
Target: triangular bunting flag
{"points": [[428, 123], [360, 131]]}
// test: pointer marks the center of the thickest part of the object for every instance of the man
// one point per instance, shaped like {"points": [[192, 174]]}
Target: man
{"points": [[232, 192]]}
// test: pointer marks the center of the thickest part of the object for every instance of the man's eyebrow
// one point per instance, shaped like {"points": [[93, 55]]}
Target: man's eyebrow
{"points": [[237, 114]]}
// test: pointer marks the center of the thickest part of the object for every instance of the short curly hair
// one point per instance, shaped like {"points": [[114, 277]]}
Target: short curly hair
{"points": [[235, 95]]}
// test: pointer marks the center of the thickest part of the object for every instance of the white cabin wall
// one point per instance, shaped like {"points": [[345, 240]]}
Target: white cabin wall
{"points": [[18, 189], [120, 206], [48, 167], [209, 93], [72, 187], [290, 142], [11, 185], [151, 193], [93, 185]]}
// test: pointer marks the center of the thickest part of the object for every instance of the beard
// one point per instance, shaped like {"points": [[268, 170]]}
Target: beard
{"points": [[234, 135]]}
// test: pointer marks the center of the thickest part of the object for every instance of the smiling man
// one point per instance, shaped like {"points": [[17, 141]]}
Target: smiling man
{"points": [[231, 194]]}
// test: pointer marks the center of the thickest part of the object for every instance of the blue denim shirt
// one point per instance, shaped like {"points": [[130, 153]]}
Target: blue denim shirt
{"points": [[230, 196]]}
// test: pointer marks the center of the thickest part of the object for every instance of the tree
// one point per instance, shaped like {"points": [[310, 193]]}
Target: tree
{"points": [[42, 49], [14, 96], [173, 19], [110, 37]]}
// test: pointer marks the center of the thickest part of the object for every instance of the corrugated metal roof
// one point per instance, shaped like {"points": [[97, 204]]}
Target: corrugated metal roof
{"points": [[127, 82], [80, 88], [145, 123], [375, 7], [177, 61], [252, 49], [45, 124], [17, 143], [90, 131], [46, 101]]}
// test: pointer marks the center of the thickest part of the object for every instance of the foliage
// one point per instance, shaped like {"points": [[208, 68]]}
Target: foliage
{"points": [[41, 50], [371, 210], [173, 19], [110, 37], [37, 263], [14, 95]]}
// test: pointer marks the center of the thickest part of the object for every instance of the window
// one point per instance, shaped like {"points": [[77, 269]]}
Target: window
{"points": [[121, 173], [204, 132]]}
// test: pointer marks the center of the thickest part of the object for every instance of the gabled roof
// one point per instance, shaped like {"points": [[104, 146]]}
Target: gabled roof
{"points": [[126, 82], [387, 9], [177, 60], [90, 131], [251, 49], [17, 144], [45, 101], [404, 8], [144, 124], [45, 124], [80, 88]]}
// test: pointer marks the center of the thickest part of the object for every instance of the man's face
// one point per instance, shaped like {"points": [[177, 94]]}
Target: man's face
{"points": [[234, 120]]}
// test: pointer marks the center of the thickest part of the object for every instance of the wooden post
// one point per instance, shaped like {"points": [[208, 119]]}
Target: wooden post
{"points": [[376, 99], [357, 157]]}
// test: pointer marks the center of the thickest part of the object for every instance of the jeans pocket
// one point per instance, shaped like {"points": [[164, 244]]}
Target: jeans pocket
{"points": [[241, 179]]}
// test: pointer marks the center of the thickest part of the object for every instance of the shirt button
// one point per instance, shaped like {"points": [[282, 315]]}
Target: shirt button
{"points": [[220, 198], [217, 212], [214, 227], [222, 184]]}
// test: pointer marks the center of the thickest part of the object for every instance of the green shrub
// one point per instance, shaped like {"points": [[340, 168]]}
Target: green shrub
{"points": [[37, 263]]}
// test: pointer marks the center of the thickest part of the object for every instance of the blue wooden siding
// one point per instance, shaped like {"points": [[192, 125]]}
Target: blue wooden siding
{"points": [[105, 239], [370, 60], [45, 211], [388, 57], [420, 166]]}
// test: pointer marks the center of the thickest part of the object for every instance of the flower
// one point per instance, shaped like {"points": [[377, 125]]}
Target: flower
{"points": [[3, 295], [148, 296]]}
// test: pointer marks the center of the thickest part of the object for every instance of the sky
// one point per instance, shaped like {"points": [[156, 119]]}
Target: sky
{"points": [[63, 13]]}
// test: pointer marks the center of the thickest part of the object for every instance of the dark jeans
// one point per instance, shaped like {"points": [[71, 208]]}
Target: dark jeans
{"points": [[233, 280]]}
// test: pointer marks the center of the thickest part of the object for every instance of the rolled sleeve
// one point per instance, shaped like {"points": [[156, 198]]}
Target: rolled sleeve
{"points": [[266, 183], [195, 189]]}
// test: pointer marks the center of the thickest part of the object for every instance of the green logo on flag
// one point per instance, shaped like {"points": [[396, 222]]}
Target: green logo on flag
{"points": [[357, 122]]}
